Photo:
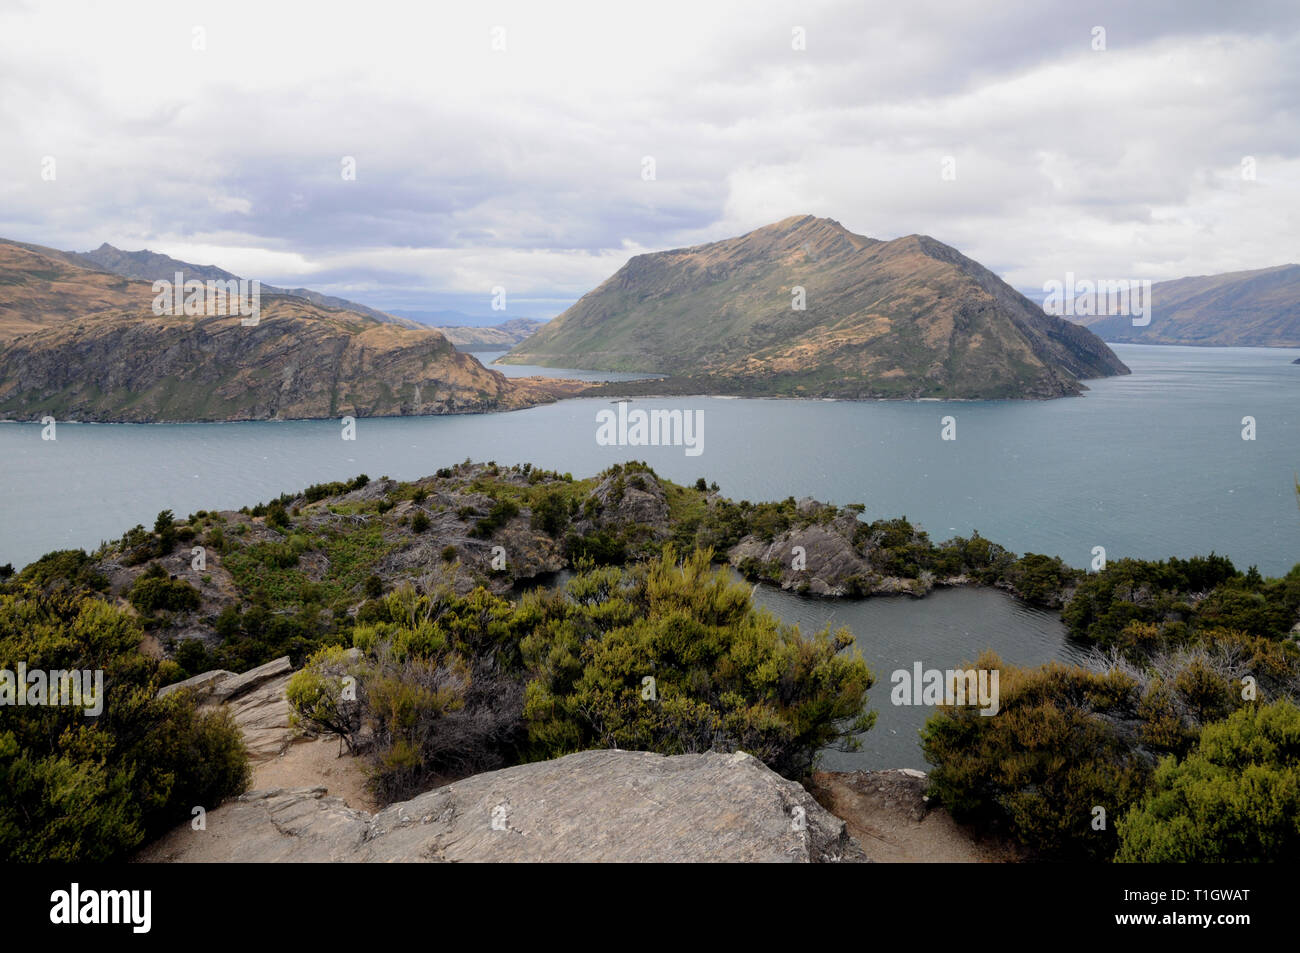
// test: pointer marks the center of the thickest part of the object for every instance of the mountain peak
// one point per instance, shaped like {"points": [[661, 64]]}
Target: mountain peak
{"points": [[804, 307]]}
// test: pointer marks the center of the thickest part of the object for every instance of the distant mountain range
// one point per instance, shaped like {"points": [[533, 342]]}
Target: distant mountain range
{"points": [[154, 266], [500, 337], [1258, 308], [78, 342], [907, 318]]}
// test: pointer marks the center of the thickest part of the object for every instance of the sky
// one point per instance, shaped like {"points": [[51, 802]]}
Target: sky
{"points": [[504, 145]]}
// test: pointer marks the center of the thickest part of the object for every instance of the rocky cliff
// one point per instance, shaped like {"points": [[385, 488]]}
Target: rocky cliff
{"points": [[85, 345]]}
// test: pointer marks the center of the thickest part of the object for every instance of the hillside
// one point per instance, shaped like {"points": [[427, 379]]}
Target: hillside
{"points": [[153, 266], [501, 337], [1258, 308], [906, 318], [42, 286], [86, 345]]}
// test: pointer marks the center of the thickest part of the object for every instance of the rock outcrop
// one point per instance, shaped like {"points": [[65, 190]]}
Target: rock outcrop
{"points": [[619, 806], [256, 700]]}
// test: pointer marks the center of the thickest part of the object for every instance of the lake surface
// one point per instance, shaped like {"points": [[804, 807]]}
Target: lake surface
{"points": [[533, 370], [945, 630], [1147, 465]]}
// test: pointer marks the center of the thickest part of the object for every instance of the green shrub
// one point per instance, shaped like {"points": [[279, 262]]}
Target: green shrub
{"points": [[501, 512], [154, 589], [64, 568], [94, 789], [725, 675], [551, 513], [1235, 798], [1037, 768]]}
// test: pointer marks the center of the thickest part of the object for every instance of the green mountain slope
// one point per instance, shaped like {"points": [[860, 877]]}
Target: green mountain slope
{"points": [[905, 318]]}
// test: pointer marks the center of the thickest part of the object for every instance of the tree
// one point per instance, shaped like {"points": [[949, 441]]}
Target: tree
{"points": [[325, 694]]}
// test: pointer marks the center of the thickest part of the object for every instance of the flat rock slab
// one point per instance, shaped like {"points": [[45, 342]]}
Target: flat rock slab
{"points": [[257, 701], [611, 806]]}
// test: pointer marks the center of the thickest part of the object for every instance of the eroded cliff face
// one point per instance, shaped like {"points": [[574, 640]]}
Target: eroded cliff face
{"points": [[82, 344], [299, 361]]}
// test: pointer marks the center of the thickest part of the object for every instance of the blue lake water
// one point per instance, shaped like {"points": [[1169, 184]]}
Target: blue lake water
{"points": [[1150, 465], [531, 370], [947, 629]]}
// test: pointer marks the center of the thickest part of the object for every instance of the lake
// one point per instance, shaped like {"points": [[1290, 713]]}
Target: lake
{"points": [[1147, 465], [945, 630]]}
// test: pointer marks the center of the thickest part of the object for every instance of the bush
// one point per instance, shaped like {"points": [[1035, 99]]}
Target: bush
{"points": [[502, 512], [435, 698], [726, 676], [550, 513], [1055, 750], [154, 589], [602, 547], [87, 789], [276, 515], [1235, 798], [64, 568], [419, 522], [317, 695], [1040, 579]]}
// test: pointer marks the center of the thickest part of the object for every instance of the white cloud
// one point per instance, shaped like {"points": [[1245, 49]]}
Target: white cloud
{"points": [[523, 167]]}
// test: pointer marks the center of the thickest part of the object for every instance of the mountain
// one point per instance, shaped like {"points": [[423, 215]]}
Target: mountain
{"points": [[907, 318], [502, 337], [1258, 308], [40, 286], [451, 318], [86, 345], [154, 266]]}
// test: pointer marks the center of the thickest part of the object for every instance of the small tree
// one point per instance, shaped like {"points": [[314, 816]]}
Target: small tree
{"points": [[326, 693]]}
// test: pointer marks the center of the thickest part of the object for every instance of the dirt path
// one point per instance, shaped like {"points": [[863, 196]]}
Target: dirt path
{"points": [[887, 813], [316, 763]]}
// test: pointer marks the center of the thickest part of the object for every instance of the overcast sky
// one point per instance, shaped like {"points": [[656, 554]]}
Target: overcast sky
{"points": [[523, 168]]}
